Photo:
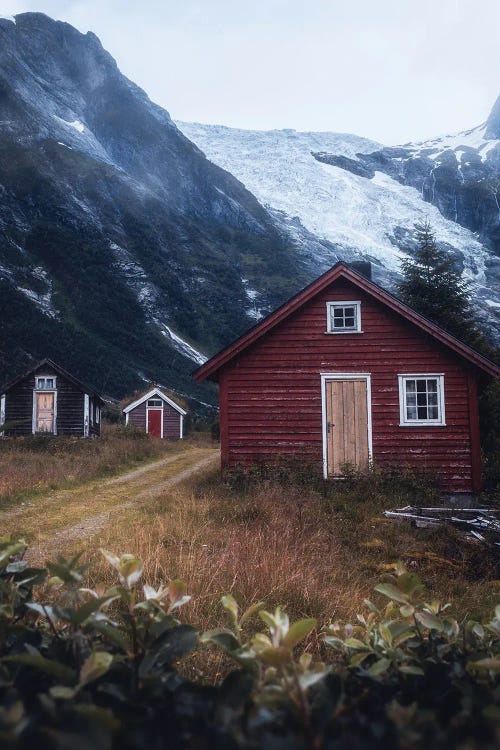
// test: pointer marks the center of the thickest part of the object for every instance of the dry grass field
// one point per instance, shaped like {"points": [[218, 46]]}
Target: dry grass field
{"points": [[285, 537], [317, 548], [30, 466]]}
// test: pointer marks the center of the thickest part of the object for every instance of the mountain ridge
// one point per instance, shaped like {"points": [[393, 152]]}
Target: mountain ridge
{"points": [[102, 193]]}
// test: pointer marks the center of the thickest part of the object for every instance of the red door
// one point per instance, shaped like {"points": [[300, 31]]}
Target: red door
{"points": [[154, 422]]}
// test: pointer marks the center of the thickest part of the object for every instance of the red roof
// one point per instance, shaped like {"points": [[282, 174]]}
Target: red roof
{"points": [[210, 369]]}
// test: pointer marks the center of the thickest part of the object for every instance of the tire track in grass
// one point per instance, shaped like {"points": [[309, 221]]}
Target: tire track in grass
{"points": [[67, 516]]}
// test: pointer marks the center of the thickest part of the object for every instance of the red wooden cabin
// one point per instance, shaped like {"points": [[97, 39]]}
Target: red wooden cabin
{"points": [[157, 414], [346, 374]]}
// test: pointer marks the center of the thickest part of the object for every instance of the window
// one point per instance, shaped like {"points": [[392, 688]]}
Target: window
{"points": [[343, 317], [97, 415], [421, 399], [155, 403], [45, 383]]}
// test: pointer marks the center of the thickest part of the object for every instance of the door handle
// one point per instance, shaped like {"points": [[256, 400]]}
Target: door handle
{"points": [[329, 426]]}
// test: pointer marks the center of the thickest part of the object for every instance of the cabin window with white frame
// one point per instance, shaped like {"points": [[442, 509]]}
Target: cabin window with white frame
{"points": [[45, 383], [421, 399], [343, 317], [155, 403]]}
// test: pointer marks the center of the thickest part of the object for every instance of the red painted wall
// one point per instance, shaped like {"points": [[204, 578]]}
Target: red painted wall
{"points": [[270, 395]]}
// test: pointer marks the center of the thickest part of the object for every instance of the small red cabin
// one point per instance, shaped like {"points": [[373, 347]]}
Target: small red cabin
{"points": [[157, 414], [346, 374]]}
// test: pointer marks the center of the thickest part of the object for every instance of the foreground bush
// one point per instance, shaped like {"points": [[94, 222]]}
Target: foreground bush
{"points": [[98, 669]]}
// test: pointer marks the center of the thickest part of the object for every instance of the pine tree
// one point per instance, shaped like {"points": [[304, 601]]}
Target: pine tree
{"points": [[434, 287]]}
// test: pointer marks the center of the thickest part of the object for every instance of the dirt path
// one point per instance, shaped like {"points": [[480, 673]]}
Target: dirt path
{"points": [[55, 520]]}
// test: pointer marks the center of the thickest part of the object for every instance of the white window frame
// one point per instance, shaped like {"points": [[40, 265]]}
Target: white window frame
{"points": [[403, 419], [44, 388], [327, 376], [97, 414], [330, 307]]}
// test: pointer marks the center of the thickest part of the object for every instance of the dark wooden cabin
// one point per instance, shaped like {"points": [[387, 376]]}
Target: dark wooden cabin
{"points": [[346, 374], [157, 414], [47, 400]]}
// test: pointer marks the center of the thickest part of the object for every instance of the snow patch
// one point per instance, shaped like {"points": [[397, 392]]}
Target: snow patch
{"points": [[252, 312], [469, 139], [77, 125], [60, 143], [42, 301], [182, 346], [12, 19]]}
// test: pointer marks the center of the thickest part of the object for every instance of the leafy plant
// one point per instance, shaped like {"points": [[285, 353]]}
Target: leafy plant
{"points": [[269, 656], [96, 668]]}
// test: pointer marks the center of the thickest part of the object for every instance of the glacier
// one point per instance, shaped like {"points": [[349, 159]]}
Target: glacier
{"points": [[372, 217]]}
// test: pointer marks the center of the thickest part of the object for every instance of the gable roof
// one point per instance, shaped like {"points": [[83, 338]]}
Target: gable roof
{"points": [[60, 371], [150, 394], [341, 270]]}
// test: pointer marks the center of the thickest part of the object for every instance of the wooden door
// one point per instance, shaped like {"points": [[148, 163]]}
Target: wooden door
{"points": [[154, 422], [45, 412], [346, 425]]}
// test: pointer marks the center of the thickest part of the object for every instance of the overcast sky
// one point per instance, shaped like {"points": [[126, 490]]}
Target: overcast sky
{"points": [[392, 70]]}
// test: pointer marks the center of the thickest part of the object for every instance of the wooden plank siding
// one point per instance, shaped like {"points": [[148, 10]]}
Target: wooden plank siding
{"points": [[171, 423], [137, 416], [271, 404]]}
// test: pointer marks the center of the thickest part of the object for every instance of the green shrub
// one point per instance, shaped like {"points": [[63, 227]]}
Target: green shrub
{"points": [[97, 669]]}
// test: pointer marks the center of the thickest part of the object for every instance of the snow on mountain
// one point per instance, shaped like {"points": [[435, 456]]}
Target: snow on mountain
{"points": [[359, 203], [348, 210], [475, 139]]}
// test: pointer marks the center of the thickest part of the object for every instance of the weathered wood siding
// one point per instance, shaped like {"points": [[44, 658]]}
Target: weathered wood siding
{"points": [[171, 423], [137, 417], [270, 397], [19, 405], [171, 420]]}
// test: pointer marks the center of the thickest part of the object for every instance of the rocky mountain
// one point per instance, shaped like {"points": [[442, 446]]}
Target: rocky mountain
{"points": [[360, 195], [128, 255], [125, 254]]}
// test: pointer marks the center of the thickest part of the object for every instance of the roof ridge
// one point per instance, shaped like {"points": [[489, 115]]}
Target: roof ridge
{"points": [[315, 287]]}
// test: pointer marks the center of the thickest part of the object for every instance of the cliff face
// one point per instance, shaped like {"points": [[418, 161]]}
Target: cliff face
{"points": [[124, 252]]}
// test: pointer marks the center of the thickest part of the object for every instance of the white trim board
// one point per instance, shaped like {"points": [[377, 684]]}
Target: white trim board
{"points": [[150, 394], [325, 377], [2, 411]]}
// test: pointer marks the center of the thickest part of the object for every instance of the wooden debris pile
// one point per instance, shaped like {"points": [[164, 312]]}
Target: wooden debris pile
{"points": [[480, 525]]}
